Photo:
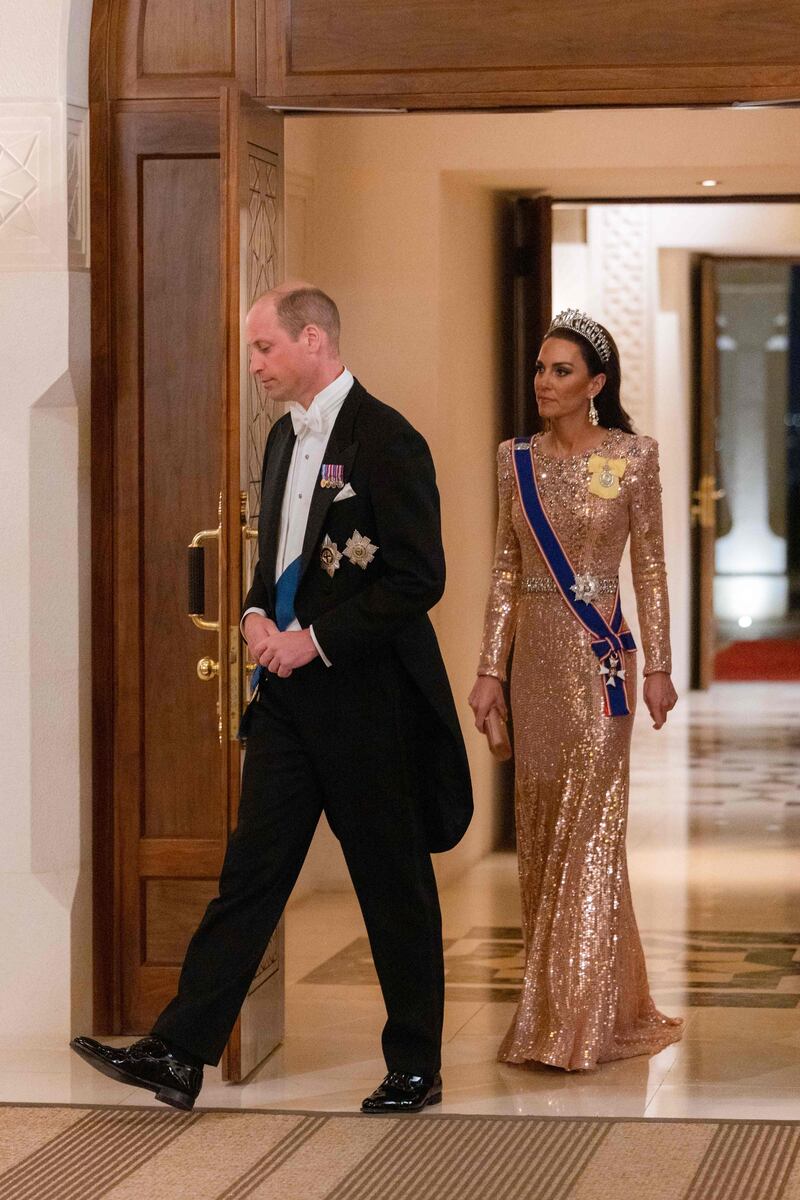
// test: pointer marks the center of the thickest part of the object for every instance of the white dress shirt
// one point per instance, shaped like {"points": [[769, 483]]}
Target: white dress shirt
{"points": [[312, 427]]}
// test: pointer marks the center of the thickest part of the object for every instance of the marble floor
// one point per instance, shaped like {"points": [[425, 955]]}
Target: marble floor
{"points": [[713, 850]]}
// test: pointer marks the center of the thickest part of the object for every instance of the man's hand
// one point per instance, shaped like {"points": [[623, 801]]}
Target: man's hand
{"points": [[659, 696], [284, 652], [257, 631]]}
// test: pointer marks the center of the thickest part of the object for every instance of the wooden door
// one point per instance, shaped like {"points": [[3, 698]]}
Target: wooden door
{"points": [[169, 778], [252, 262], [705, 492], [180, 282]]}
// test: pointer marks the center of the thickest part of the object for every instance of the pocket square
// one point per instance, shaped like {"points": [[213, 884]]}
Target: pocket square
{"points": [[344, 494]]}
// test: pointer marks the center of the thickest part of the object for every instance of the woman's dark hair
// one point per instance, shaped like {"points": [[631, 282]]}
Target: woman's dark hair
{"points": [[607, 402]]}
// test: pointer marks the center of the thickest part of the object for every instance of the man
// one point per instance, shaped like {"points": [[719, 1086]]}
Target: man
{"points": [[352, 715]]}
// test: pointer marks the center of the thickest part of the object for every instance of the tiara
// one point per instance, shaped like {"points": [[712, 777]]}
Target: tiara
{"points": [[578, 322]]}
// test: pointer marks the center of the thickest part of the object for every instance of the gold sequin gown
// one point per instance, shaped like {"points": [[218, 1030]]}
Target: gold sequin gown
{"points": [[585, 996]]}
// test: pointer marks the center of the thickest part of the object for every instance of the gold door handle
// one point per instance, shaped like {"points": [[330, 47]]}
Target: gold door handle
{"points": [[197, 577], [207, 668], [706, 495]]}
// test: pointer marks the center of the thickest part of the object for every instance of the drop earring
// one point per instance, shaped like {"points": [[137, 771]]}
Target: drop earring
{"points": [[594, 419]]}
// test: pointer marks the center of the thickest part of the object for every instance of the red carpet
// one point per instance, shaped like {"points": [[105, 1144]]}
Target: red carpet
{"points": [[773, 659]]}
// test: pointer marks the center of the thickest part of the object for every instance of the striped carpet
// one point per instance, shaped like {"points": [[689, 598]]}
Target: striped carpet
{"points": [[80, 1153]]}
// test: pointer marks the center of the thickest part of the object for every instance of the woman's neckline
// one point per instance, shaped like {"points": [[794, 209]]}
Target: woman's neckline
{"points": [[568, 457]]}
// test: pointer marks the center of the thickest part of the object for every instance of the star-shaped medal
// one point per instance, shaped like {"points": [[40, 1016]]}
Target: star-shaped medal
{"points": [[614, 670], [329, 556], [360, 550], [585, 588]]}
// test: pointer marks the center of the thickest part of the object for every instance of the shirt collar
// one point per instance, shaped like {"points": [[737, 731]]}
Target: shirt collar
{"points": [[324, 408]]}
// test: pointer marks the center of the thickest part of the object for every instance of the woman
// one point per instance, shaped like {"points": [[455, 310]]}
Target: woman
{"points": [[569, 497]]}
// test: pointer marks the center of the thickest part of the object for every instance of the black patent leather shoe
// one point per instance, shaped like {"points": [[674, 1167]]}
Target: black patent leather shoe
{"points": [[148, 1063], [400, 1093]]}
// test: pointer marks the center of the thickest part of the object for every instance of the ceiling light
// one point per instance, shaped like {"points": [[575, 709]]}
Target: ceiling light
{"points": [[709, 183], [745, 622]]}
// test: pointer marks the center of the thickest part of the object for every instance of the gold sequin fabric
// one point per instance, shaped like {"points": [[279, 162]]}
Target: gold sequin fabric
{"points": [[585, 996]]}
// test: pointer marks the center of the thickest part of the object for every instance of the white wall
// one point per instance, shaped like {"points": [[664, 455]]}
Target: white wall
{"points": [[45, 959]]}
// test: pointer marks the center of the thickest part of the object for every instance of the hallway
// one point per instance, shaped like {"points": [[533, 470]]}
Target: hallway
{"points": [[713, 840]]}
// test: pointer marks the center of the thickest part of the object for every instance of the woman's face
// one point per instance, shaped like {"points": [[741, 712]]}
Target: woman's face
{"points": [[563, 383]]}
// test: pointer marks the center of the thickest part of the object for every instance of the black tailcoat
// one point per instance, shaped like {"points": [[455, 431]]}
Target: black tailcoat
{"points": [[381, 610], [372, 741]]}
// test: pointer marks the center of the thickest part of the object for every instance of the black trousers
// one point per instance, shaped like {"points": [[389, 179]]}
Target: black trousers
{"points": [[339, 741]]}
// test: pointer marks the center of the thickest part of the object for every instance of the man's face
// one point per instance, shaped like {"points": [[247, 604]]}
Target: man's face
{"points": [[285, 367]]}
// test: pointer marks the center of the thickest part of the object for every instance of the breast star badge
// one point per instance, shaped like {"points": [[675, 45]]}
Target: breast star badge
{"points": [[604, 476], [360, 550], [585, 588], [614, 670], [330, 556]]}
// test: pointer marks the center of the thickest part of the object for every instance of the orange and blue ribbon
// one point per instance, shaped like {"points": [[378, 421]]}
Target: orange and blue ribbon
{"points": [[608, 637]]}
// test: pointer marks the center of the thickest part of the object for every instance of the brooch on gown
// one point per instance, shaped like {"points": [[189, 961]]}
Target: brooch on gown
{"points": [[360, 550], [586, 588], [605, 474]]}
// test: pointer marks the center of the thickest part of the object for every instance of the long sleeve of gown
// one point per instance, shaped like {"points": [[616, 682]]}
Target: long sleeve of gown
{"points": [[503, 601], [647, 561]]}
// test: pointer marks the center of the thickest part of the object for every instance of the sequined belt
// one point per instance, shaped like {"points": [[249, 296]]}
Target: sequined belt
{"points": [[546, 583]]}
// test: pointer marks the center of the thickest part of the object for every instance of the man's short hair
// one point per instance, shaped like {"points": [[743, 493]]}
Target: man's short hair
{"points": [[308, 306]]}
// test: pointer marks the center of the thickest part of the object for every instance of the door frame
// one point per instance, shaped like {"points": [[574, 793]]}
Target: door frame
{"points": [[103, 56]]}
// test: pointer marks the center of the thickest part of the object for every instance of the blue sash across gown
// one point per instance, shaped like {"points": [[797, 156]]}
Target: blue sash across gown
{"points": [[609, 638]]}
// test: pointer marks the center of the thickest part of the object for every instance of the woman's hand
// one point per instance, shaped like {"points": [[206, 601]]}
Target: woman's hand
{"points": [[486, 695], [659, 696]]}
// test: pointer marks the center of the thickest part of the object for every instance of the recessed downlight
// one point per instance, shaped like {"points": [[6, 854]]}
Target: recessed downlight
{"points": [[709, 183]]}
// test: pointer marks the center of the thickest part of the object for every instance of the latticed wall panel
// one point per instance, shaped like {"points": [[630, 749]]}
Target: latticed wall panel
{"points": [[262, 269]]}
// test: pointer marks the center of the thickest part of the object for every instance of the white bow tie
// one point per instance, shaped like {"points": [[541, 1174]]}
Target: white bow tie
{"points": [[309, 419]]}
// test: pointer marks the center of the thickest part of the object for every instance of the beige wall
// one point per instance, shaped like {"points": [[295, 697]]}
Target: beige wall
{"points": [[411, 259], [395, 216]]}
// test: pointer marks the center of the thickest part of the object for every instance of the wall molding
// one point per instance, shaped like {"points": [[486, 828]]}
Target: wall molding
{"points": [[622, 290], [32, 209], [78, 187]]}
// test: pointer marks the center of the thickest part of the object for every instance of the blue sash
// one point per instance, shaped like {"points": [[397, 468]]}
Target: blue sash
{"points": [[609, 638], [285, 592]]}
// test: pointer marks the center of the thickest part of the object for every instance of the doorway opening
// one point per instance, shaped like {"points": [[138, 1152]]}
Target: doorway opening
{"points": [[756, 588], [668, 280]]}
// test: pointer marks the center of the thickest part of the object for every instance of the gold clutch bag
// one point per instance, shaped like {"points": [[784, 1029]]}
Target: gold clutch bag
{"points": [[496, 732]]}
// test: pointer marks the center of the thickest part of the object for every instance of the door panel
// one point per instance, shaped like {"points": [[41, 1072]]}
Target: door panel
{"points": [[459, 54], [198, 196], [168, 766], [190, 49], [452, 54], [532, 257], [180, 290], [705, 493], [252, 263]]}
